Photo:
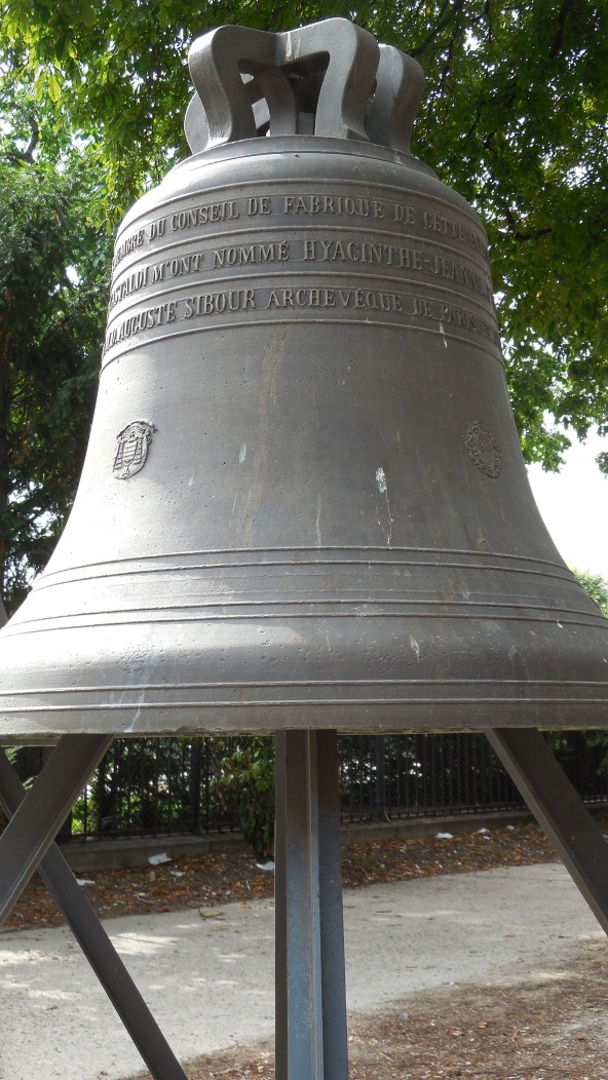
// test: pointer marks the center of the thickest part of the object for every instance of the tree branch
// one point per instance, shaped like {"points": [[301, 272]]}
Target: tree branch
{"points": [[27, 155], [556, 44], [533, 234], [449, 12]]}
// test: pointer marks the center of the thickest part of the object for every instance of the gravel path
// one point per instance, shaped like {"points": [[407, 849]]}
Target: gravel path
{"points": [[208, 978]]}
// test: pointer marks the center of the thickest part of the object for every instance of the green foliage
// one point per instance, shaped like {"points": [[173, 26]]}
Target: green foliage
{"points": [[141, 786], [53, 282], [596, 586], [514, 118], [244, 789]]}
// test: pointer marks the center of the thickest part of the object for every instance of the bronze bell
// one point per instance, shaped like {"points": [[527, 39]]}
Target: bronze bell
{"points": [[304, 502]]}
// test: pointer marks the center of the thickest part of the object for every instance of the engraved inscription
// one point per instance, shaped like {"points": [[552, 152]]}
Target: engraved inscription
{"points": [[312, 256], [130, 244], [407, 258], [155, 272], [451, 315], [341, 298], [251, 253], [388, 306], [310, 205], [444, 225], [335, 205], [204, 214], [219, 302], [482, 449], [259, 205], [194, 217], [185, 264], [148, 319], [362, 254]]}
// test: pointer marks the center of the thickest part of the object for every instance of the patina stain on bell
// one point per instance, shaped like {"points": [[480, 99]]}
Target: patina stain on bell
{"points": [[304, 502]]}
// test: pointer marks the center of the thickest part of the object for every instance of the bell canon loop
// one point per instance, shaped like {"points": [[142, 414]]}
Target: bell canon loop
{"points": [[304, 502]]}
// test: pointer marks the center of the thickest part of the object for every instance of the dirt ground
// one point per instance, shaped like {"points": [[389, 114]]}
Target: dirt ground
{"points": [[217, 878], [552, 1028]]}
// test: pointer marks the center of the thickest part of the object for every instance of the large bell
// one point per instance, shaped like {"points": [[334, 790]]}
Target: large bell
{"points": [[304, 502]]}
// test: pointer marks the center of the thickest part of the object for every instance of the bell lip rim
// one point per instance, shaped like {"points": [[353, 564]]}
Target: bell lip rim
{"points": [[446, 717]]}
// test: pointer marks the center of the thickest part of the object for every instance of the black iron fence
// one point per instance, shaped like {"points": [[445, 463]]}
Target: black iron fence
{"points": [[153, 787], [406, 776]]}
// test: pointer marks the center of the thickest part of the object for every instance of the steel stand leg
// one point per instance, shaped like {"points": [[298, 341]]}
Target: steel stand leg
{"points": [[311, 1040], [559, 809], [34, 826], [97, 947]]}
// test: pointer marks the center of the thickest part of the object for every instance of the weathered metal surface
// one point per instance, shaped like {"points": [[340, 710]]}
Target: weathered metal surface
{"points": [[304, 502], [311, 1039]]}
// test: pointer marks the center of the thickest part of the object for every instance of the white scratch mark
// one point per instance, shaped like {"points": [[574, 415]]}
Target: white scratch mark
{"points": [[381, 484], [190, 481], [242, 453], [132, 726], [415, 648], [318, 522], [442, 332], [233, 509]]}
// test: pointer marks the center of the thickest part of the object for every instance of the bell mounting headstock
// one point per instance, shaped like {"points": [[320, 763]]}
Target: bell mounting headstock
{"points": [[328, 79]]}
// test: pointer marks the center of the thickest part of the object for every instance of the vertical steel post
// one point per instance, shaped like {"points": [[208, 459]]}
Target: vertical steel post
{"points": [[311, 1040]]}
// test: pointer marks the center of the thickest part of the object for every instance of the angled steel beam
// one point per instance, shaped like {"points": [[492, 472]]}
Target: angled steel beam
{"points": [[34, 826], [97, 947], [558, 808]]}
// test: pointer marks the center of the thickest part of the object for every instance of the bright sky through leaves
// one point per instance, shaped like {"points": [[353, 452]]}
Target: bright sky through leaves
{"points": [[574, 506]]}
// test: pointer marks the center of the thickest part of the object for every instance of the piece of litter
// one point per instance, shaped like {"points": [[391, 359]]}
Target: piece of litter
{"points": [[511, 828], [444, 836], [177, 873], [210, 913], [156, 860], [402, 1016], [265, 865], [483, 831], [84, 881]]}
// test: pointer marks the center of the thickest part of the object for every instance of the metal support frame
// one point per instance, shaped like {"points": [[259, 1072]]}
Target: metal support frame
{"points": [[96, 946], [559, 810], [311, 1035], [40, 815], [311, 1039]]}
